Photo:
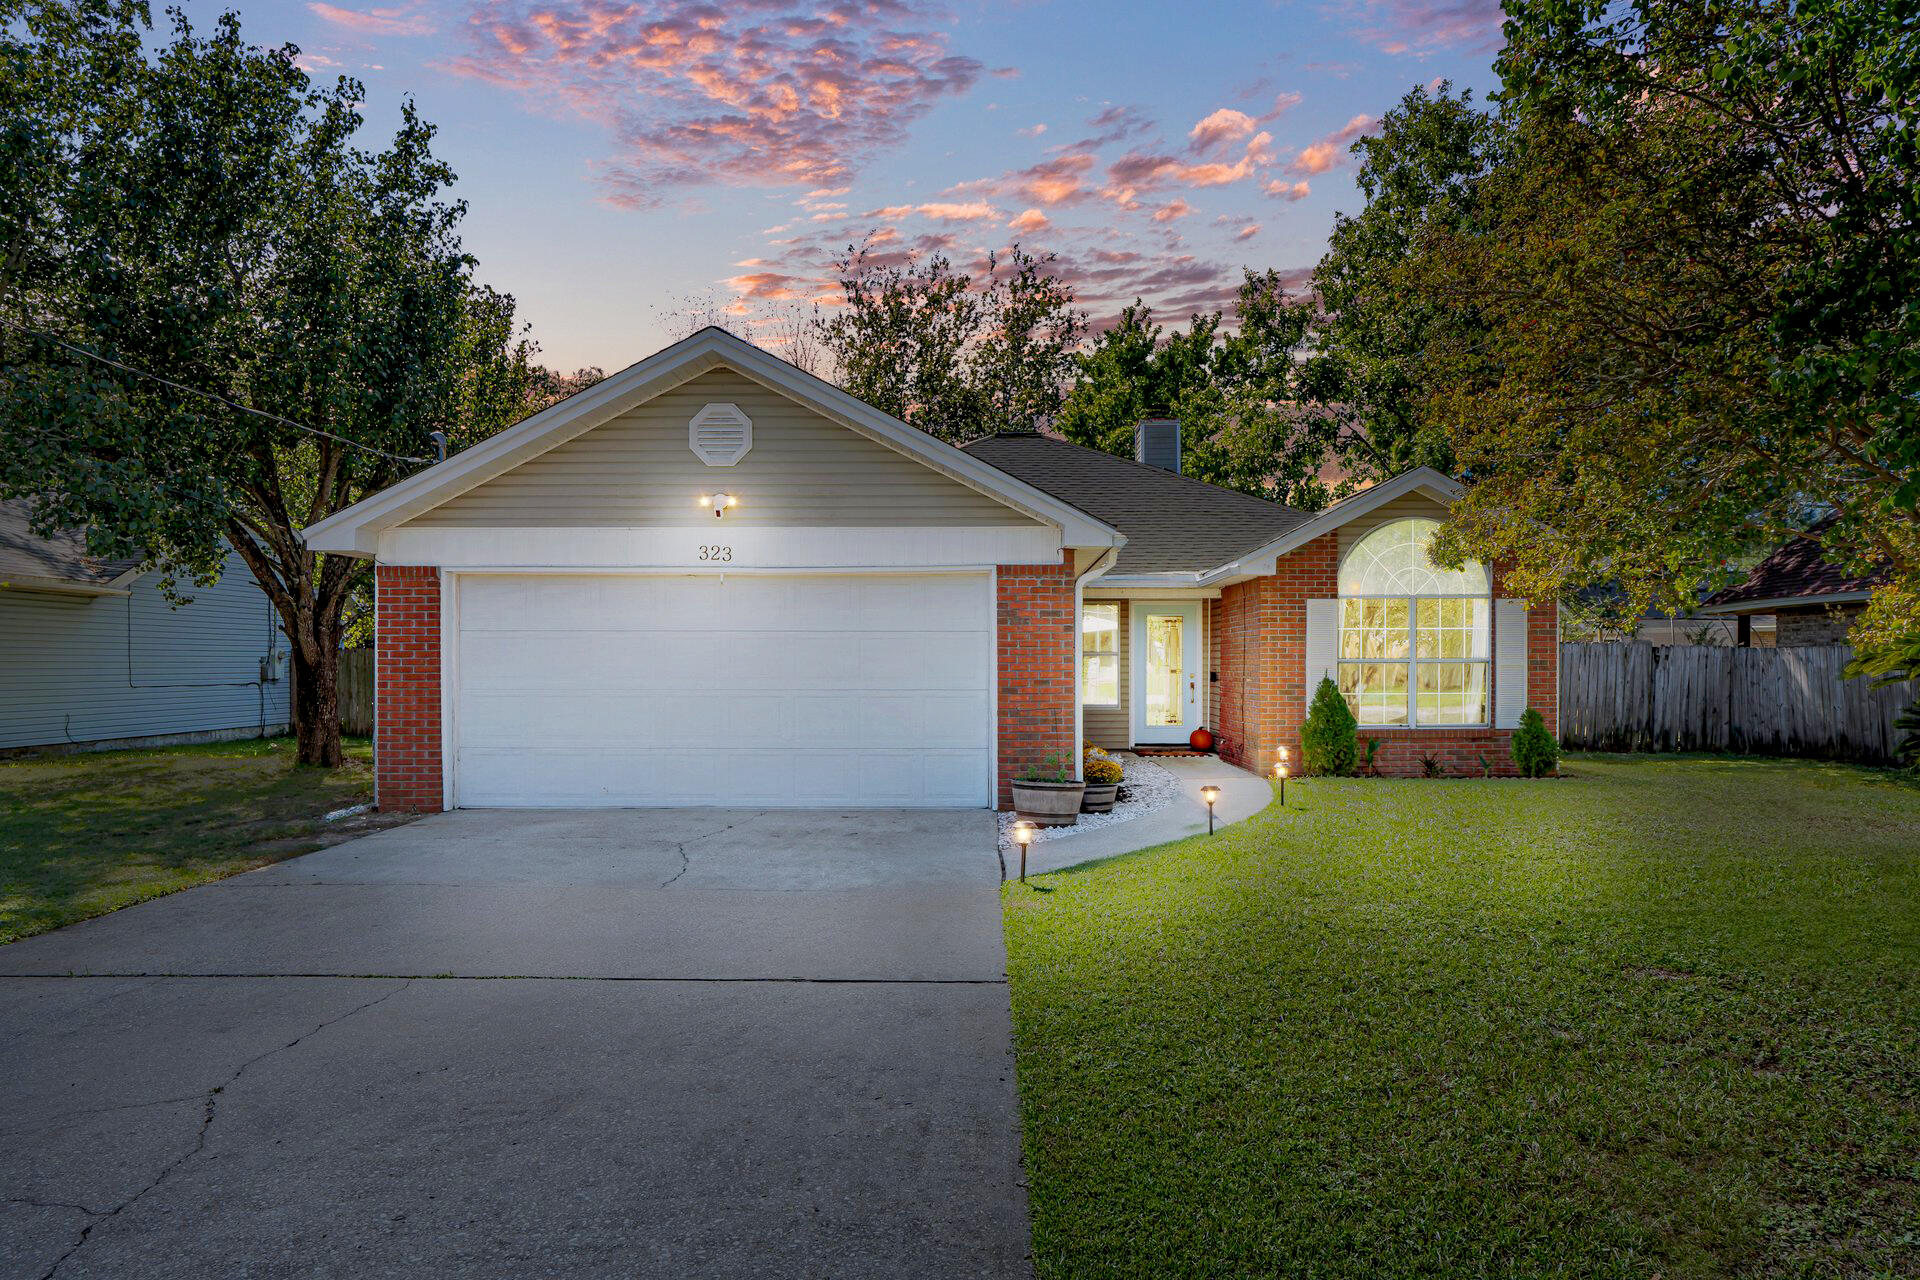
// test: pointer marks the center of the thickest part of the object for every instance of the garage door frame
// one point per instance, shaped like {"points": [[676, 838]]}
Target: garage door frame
{"points": [[450, 581]]}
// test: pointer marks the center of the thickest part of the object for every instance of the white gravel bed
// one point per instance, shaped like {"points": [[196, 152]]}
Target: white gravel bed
{"points": [[1148, 789]]}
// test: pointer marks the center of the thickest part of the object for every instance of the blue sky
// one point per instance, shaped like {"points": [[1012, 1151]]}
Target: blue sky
{"points": [[621, 159]]}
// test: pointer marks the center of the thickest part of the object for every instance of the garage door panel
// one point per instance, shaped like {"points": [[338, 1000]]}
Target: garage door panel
{"points": [[811, 691]]}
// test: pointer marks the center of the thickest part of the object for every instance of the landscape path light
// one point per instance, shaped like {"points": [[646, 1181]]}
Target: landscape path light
{"points": [[1209, 793], [1023, 836], [1280, 772]]}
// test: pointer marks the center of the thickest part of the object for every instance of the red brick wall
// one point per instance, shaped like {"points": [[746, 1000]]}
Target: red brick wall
{"points": [[1262, 629], [406, 722], [1036, 642]]}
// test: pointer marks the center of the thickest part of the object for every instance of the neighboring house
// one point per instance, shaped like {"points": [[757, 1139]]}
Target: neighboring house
{"points": [[92, 655], [874, 617], [1596, 620], [1810, 599]]}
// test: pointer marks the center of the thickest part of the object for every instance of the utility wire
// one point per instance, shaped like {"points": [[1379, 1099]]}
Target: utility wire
{"points": [[208, 395]]}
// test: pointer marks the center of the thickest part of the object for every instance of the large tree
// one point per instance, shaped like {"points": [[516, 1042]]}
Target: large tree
{"points": [[1419, 174], [957, 356], [1696, 271], [1253, 414], [221, 319]]}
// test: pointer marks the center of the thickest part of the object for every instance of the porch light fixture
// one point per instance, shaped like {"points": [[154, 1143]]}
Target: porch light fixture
{"points": [[1209, 794], [1023, 836], [719, 502]]}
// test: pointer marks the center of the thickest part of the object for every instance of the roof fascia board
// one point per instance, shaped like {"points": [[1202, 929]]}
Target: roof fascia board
{"points": [[62, 586], [1771, 603], [1263, 560], [354, 530]]}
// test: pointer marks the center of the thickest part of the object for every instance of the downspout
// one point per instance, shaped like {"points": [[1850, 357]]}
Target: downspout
{"points": [[1103, 563]]}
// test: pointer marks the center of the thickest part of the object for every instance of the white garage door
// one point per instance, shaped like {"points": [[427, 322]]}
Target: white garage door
{"points": [[803, 691]]}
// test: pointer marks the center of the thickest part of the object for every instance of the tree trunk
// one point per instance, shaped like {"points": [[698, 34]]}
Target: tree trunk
{"points": [[316, 706]]}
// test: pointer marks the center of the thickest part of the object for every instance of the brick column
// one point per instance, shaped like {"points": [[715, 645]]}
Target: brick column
{"points": [[406, 720], [1262, 627], [1035, 639]]}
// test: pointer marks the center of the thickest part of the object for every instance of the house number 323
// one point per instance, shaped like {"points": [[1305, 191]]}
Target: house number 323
{"points": [[722, 554]]}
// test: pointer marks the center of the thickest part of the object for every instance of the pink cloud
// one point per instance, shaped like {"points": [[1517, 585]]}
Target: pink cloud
{"points": [[1032, 131], [769, 93], [399, 21], [1175, 208], [1330, 151], [940, 211], [1224, 125], [1030, 221], [1421, 26], [1281, 189], [1247, 232], [1138, 171]]}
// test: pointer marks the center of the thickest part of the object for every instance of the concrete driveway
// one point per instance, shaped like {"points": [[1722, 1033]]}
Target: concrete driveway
{"points": [[636, 1042]]}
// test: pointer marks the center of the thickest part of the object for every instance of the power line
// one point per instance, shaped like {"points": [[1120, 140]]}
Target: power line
{"points": [[208, 395]]}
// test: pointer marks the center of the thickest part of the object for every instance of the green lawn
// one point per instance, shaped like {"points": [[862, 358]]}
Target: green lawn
{"points": [[1658, 1018], [85, 834]]}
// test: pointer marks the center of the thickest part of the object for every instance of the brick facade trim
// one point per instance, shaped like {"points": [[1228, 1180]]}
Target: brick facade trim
{"points": [[1036, 638], [406, 721]]}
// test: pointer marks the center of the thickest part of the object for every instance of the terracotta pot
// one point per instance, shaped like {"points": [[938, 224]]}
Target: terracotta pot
{"points": [[1048, 804], [1200, 740], [1099, 797]]}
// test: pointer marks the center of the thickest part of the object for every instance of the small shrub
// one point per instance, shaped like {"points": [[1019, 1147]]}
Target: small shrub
{"points": [[1367, 765], [1101, 771], [1327, 743], [1052, 768], [1430, 766], [1534, 749], [1486, 765]]}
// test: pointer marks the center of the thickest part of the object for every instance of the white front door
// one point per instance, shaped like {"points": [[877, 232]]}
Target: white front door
{"points": [[1166, 670], [818, 691]]}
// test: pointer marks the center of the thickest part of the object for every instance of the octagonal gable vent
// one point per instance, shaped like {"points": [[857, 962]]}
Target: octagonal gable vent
{"points": [[720, 434]]}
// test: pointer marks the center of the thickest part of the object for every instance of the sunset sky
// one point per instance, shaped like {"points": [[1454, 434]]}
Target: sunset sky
{"points": [[621, 158]]}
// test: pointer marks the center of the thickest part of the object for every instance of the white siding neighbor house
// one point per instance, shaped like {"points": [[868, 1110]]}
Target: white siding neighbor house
{"points": [[93, 655]]}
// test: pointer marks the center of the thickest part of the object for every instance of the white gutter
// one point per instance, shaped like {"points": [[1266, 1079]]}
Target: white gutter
{"points": [[1784, 602], [1100, 565]]}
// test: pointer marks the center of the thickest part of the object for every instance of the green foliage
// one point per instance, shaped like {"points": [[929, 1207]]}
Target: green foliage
{"points": [[1419, 174], [1327, 744], [1689, 267], [200, 211], [957, 356], [1249, 414], [1534, 749], [1892, 661], [1054, 767]]}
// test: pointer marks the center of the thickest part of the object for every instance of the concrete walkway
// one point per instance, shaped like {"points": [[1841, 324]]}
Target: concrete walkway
{"points": [[1242, 795], [629, 1043]]}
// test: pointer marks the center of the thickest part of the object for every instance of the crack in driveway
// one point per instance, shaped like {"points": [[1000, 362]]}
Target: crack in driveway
{"points": [[681, 845], [212, 1097]]}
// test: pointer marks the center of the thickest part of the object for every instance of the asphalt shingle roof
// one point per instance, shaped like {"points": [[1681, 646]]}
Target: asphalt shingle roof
{"points": [[63, 557], [1173, 523], [1796, 570]]}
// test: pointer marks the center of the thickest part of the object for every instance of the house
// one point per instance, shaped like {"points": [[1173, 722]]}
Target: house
{"points": [[1596, 611], [715, 579], [1810, 599], [92, 654]]}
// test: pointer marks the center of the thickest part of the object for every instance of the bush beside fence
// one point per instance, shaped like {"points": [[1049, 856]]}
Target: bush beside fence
{"points": [[1792, 701]]}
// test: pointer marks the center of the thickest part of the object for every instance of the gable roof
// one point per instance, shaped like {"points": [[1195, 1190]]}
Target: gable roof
{"points": [[356, 529], [1173, 523], [57, 563], [1798, 572]]}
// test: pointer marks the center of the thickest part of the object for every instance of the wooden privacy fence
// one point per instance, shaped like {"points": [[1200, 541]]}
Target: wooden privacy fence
{"points": [[356, 692], [1792, 701]]}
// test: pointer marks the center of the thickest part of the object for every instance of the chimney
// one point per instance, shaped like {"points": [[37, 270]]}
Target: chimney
{"points": [[1156, 442]]}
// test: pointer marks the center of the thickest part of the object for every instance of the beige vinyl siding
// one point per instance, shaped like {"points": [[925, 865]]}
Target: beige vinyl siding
{"points": [[803, 469], [1412, 504], [1111, 727]]}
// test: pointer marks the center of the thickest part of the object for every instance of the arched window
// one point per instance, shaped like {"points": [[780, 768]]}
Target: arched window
{"points": [[1415, 639]]}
